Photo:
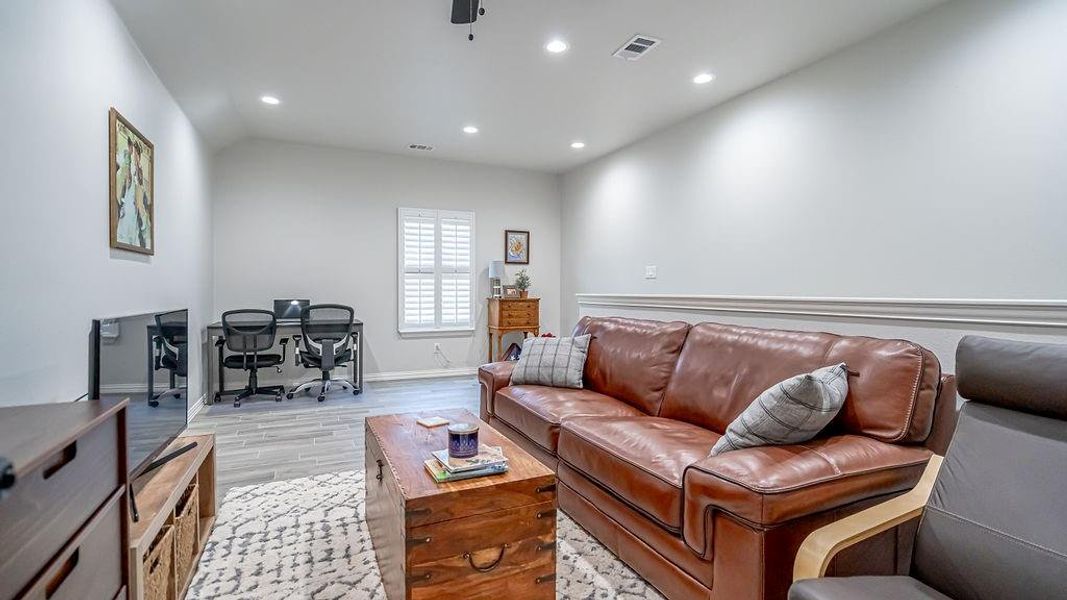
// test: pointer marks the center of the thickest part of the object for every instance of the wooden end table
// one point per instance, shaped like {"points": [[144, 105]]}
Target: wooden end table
{"points": [[490, 537]]}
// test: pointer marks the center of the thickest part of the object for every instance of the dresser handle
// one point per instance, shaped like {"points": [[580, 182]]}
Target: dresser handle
{"points": [[546, 513], [380, 476], [58, 579], [545, 578], [545, 488], [69, 453], [490, 566]]}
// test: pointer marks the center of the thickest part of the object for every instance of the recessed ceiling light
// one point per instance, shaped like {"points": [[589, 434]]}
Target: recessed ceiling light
{"points": [[703, 78], [577, 145], [470, 129], [270, 100], [556, 46]]}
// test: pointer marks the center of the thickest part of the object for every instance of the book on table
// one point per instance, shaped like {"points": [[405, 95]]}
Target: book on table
{"points": [[488, 456], [442, 475]]}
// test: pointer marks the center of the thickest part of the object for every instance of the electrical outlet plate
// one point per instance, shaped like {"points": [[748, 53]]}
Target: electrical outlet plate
{"points": [[650, 272]]}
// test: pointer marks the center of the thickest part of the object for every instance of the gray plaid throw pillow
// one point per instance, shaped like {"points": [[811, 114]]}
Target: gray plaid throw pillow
{"points": [[791, 412], [557, 362]]}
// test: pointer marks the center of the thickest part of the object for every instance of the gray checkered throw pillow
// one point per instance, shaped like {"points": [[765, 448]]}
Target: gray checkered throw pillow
{"points": [[791, 412], [557, 362]]}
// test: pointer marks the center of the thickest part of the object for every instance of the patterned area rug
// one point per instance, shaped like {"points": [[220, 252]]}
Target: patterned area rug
{"points": [[307, 539]]}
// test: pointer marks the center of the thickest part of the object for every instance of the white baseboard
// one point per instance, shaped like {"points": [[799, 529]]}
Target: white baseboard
{"points": [[424, 374], [195, 408]]}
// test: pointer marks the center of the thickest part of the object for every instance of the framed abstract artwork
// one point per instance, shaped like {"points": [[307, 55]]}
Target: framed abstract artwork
{"points": [[516, 247], [131, 187]]}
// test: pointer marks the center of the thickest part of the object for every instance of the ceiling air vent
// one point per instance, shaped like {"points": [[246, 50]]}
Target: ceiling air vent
{"points": [[638, 46], [420, 147]]}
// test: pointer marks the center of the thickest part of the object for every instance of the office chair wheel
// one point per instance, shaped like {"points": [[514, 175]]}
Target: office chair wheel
{"points": [[278, 398], [178, 395], [322, 397], [153, 403], [289, 395], [355, 392], [218, 396], [237, 404]]}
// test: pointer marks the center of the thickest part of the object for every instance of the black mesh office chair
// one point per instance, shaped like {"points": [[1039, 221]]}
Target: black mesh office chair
{"points": [[172, 350], [249, 334], [325, 342]]}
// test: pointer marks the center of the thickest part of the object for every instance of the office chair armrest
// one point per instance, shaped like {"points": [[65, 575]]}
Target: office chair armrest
{"points": [[820, 547]]}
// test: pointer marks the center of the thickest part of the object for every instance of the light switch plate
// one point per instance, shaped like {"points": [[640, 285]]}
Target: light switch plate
{"points": [[650, 271]]}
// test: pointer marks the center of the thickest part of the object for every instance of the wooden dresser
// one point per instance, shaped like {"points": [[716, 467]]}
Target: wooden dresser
{"points": [[63, 516], [512, 314]]}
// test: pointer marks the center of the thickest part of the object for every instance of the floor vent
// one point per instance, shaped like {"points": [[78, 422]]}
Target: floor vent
{"points": [[420, 147], [638, 46]]}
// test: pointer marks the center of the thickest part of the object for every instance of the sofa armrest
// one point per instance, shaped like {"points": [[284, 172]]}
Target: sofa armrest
{"points": [[769, 485], [820, 547], [492, 377]]}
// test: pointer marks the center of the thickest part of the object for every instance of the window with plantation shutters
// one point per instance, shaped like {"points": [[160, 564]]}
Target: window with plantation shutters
{"points": [[436, 278]]}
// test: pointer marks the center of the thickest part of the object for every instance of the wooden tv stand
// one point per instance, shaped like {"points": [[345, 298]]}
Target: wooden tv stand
{"points": [[158, 495]]}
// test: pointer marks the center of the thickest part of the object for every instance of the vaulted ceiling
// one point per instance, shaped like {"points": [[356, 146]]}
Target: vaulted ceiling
{"points": [[380, 75]]}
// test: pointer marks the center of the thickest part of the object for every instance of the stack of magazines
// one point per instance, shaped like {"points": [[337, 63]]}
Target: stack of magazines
{"points": [[490, 460]]}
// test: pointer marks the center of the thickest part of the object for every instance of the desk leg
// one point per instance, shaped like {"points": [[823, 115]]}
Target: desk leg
{"points": [[221, 371], [355, 368], [150, 395], [500, 346]]}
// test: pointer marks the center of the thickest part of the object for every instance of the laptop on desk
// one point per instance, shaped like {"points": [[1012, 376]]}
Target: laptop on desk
{"points": [[288, 309]]}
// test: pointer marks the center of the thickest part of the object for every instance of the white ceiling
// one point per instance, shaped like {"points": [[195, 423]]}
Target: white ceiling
{"points": [[381, 74]]}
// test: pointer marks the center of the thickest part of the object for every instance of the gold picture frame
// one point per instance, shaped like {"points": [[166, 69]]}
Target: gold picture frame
{"points": [[131, 187]]}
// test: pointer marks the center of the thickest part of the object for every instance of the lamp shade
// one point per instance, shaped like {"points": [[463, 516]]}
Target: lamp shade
{"points": [[496, 269]]}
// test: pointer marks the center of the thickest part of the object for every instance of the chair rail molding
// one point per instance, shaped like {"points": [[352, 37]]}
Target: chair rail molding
{"points": [[970, 311]]}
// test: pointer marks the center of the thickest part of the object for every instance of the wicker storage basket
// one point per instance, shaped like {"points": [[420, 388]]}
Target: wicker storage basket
{"points": [[158, 567], [186, 534]]}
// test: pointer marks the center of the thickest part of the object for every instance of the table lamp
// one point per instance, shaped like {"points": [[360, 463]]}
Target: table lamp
{"points": [[496, 274]]}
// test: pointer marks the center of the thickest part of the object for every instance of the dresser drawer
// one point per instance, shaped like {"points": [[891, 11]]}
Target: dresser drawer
{"points": [[516, 307], [90, 566], [50, 504]]}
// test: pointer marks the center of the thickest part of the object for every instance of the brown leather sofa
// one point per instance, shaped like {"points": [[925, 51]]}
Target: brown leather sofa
{"points": [[631, 449]]}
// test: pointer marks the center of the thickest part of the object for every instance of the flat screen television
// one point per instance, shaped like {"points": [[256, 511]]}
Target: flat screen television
{"points": [[144, 358]]}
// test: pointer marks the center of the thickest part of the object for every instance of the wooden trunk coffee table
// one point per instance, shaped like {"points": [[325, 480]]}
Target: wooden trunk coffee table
{"points": [[490, 537]]}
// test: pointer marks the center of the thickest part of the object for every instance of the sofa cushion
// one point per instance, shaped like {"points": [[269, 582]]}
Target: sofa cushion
{"points": [[641, 460], [536, 411], [632, 359], [722, 368], [770, 485]]}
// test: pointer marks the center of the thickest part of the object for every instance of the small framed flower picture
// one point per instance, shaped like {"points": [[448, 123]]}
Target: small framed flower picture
{"points": [[516, 247]]}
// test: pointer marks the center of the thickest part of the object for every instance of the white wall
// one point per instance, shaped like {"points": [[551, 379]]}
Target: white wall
{"points": [[926, 162], [321, 223], [63, 63]]}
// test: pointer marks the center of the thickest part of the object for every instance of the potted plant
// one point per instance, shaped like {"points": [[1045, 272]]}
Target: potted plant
{"points": [[522, 283]]}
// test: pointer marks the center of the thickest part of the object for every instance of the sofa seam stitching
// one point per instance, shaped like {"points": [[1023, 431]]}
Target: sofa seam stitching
{"points": [[767, 490], [999, 533]]}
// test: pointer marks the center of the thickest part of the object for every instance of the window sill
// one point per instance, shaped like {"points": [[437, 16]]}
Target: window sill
{"points": [[439, 332]]}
